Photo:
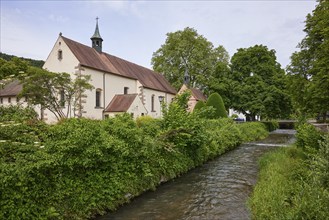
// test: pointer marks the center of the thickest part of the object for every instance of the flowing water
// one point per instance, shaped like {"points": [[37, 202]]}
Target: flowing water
{"points": [[217, 190]]}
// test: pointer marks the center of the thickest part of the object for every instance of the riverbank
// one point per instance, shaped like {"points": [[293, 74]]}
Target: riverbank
{"points": [[81, 167], [217, 189], [294, 181]]}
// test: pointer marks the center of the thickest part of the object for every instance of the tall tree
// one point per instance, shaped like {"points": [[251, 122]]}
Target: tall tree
{"points": [[309, 67], [57, 92], [186, 50], [258, 81]]}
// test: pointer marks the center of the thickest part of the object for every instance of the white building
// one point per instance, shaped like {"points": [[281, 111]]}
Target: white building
{"points": [[119, 85]]}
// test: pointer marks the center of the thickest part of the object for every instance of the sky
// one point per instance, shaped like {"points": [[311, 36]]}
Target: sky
{"points": [[134, 30]]}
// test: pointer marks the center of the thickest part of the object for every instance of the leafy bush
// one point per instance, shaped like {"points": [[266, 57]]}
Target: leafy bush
{"points": [[216, 101], [252, 131], [17, 113], [308, 136], [81, 167], [199, 105], [149, 125]]}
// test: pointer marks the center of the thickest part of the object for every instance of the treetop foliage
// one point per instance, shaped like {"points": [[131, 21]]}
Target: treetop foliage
{"points": [[309, 67], [186, 50], [256, 84]]}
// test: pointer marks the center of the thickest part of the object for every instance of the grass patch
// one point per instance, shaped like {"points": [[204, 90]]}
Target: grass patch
{"points": [[288, 187]]}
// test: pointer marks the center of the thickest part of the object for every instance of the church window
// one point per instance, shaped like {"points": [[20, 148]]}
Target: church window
{"points": [[17, 99], [125, 90], [97, 43], [60, 54], [9, 100], [152, 103], [98, 97], [1, 100]]}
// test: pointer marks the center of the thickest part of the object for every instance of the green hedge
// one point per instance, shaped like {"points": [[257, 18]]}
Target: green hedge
{"points": [[81, 167]]}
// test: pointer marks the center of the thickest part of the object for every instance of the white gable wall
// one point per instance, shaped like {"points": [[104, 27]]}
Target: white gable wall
{"points": [[67, 64], [137, 108]]}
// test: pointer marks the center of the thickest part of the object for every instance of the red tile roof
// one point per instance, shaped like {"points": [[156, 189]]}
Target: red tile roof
{"points": [[89, 57], [120, 103], [11, 89], [198, 95]]}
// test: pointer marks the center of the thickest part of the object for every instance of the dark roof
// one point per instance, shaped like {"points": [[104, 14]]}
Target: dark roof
{"points": [[96, 34], [11, 89], [120, 103], [198, 95], [89, 57]]}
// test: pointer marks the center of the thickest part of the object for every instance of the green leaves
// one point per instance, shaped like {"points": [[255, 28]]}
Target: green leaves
{"points": [[309, 67], [259, 87], [80, 167], [187, 50]]}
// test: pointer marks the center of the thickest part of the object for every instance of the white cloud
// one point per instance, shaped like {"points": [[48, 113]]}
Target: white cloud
{"points": [[58, 18]]}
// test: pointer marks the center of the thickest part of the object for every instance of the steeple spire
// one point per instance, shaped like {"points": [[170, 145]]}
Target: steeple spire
{"points": [[96, 39], [186, 77]]}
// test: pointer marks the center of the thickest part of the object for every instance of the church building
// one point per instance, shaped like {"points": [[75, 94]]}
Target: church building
{"points": [[119, 85]]}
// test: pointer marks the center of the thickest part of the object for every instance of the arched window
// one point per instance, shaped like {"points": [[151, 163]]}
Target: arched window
{"points": [[98, 98], [152, 103]]}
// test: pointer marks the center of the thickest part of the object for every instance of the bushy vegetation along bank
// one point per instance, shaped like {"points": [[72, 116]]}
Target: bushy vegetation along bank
{"points": [[294, 181], [80, 167]]}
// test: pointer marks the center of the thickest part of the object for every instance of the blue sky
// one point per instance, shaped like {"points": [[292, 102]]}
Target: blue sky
{"points": [[133, 30]]}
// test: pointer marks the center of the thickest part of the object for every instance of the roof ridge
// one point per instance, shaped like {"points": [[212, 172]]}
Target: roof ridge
{"points": [[112, 64]]}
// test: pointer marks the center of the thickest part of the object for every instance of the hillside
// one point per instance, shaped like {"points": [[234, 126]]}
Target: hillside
{"points": [[36, 63]]}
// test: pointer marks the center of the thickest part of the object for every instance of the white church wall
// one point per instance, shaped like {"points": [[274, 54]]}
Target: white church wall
{"points": [[114, 85], [67, 64], [148, 93]]}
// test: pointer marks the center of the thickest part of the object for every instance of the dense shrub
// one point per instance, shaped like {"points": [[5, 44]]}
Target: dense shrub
{"points": [[252, 131], [199, 105], [216, 101], [80, 167], [17, 113], [308, 136]]}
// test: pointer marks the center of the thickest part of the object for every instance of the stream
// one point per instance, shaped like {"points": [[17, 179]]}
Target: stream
{"points": [[217, 190]]}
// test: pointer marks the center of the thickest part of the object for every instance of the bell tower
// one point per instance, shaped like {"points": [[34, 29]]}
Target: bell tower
{"points": [[96, 39], [186, 77]]}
